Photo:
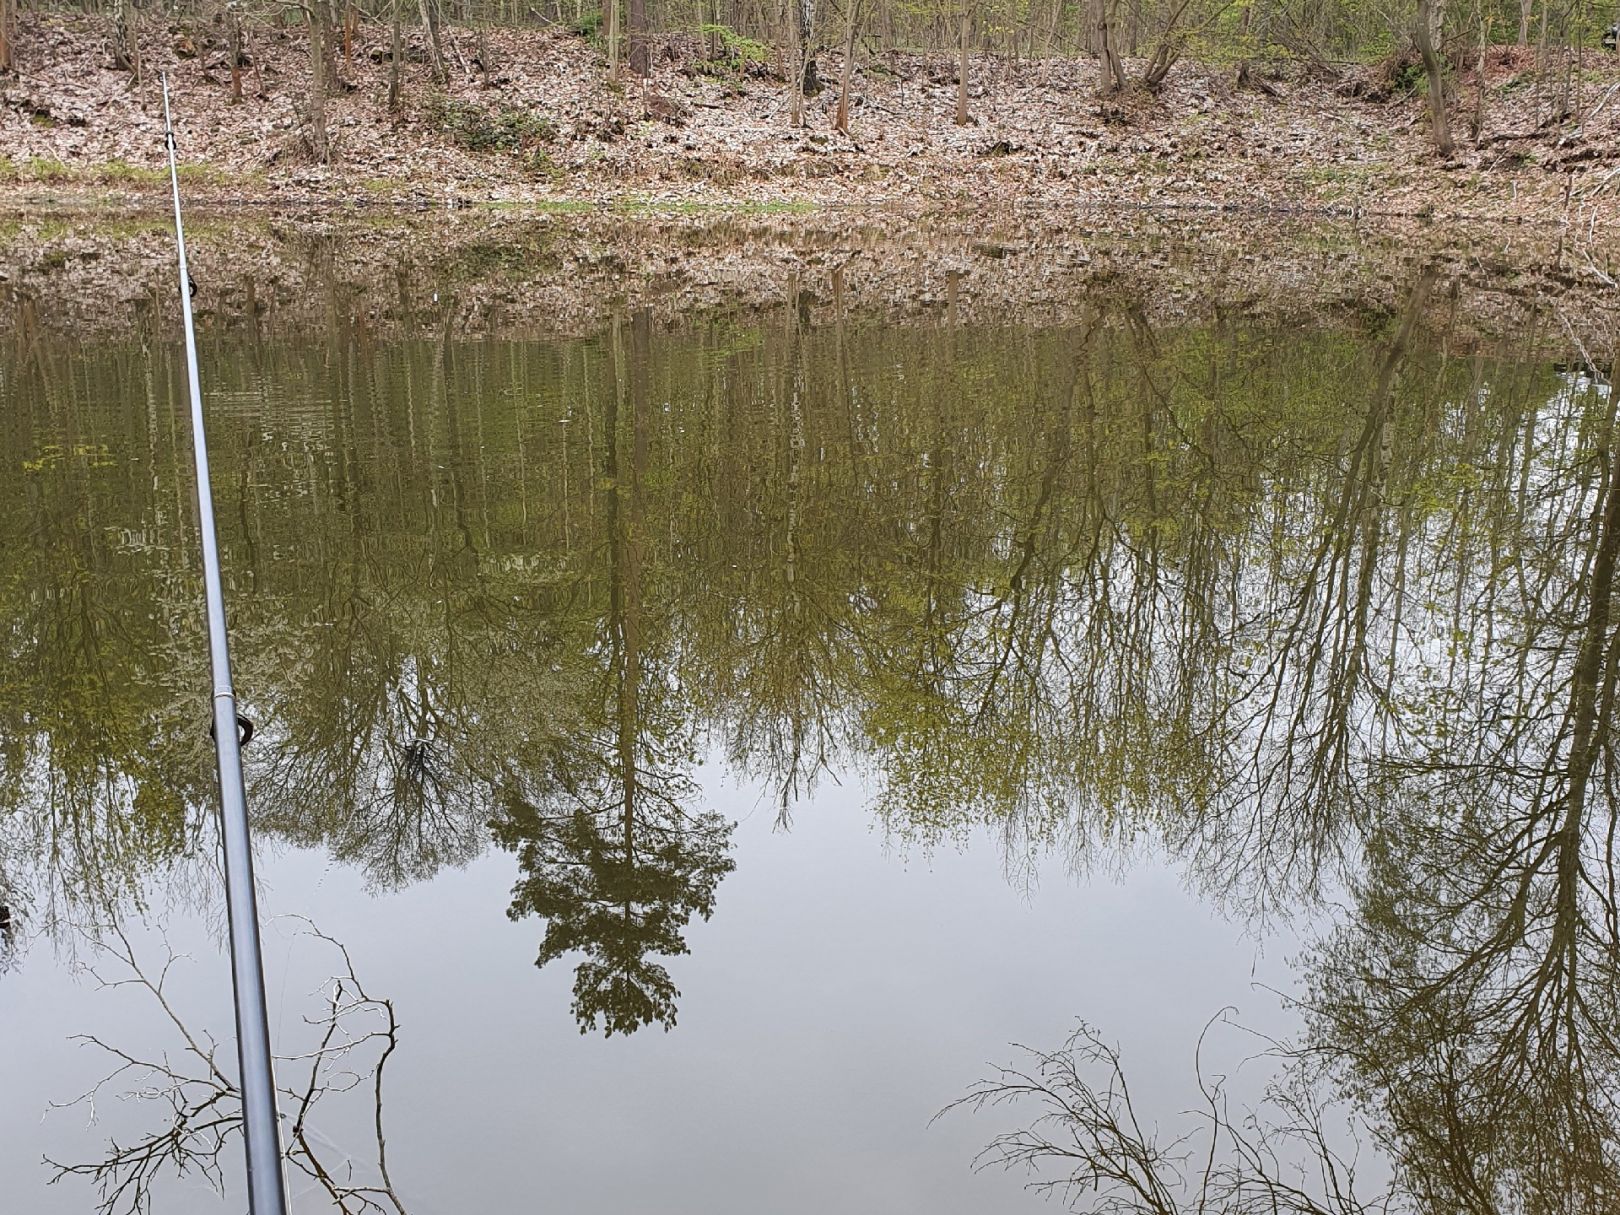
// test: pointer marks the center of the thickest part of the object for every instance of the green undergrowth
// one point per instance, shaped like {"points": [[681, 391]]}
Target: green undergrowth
{"points": [[497, 128]]}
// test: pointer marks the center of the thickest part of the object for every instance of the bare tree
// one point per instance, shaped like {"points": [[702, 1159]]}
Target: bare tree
{"points": [[1109, 65], [1423, 39], [126, 47], [852, 14], [233, 36], [640, 46], [318, 15]]}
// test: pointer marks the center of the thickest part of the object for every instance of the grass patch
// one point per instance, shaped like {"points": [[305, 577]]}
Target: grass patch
{"points": [[46, 169], [1336, 181], [42, 170], [122, 173], [636, 205]]}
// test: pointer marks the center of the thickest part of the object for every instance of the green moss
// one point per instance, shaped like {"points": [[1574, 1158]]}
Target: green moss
{"points": [[500, 128]]}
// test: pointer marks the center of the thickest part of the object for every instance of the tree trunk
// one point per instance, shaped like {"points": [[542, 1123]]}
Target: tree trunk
{"points": [[126, 45], [795, 74], [233, 22], [430, 26], [351, 27], [319, 146], [8, 34], [1524, 21], [396, 54], [809, 76], [613, 41], [1111, 70], [962, 117], [640, 47], [1423, 36], [851, 16]]}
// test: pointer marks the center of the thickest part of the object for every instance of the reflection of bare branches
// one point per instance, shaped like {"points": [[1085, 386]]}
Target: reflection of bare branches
{"points": [[1280, 1159], [202, 1105], [8, 935]]}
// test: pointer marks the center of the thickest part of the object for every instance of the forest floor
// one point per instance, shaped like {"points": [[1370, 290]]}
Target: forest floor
{"points": [[528, 117]]}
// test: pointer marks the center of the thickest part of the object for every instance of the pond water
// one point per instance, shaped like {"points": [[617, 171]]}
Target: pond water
{"points": [[720, 742]]}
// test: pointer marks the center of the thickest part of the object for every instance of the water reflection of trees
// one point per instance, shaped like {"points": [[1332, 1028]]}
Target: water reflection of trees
{"points": [[608, 852], [1311, 608], [1473, 998]]}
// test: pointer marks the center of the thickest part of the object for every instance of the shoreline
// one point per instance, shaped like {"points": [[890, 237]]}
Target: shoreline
{"points": [[494, 272]]}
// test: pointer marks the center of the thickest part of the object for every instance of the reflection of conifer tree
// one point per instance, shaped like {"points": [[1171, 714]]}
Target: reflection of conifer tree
{"points": [[614, 863], [619, 887]]}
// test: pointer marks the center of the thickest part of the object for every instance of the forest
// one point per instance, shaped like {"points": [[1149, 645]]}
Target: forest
{"points": [[1294, 103]]}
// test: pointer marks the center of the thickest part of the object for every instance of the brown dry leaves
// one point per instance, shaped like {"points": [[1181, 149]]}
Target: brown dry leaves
{"points": [[1040, 134]]}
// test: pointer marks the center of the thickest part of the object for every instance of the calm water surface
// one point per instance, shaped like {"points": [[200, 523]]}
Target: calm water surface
{"points": [[718, 746]]}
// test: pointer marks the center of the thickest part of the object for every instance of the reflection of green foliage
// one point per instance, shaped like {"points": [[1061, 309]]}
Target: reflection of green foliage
{"points": [[1029, 579]]}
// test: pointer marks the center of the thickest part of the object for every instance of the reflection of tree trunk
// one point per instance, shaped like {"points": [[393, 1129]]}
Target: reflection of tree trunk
{"points": [[795, 451], [1590, 715], [624, 549], [1015, 600]]}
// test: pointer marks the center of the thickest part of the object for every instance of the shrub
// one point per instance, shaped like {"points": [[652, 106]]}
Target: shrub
{"points": [[736, 51]]}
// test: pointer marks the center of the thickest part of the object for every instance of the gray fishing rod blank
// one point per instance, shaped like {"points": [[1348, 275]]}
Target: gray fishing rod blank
{"points": [[261, 1134]]}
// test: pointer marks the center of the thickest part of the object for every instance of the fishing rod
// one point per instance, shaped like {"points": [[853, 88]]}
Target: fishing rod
{"points": [[261, 1134]]}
